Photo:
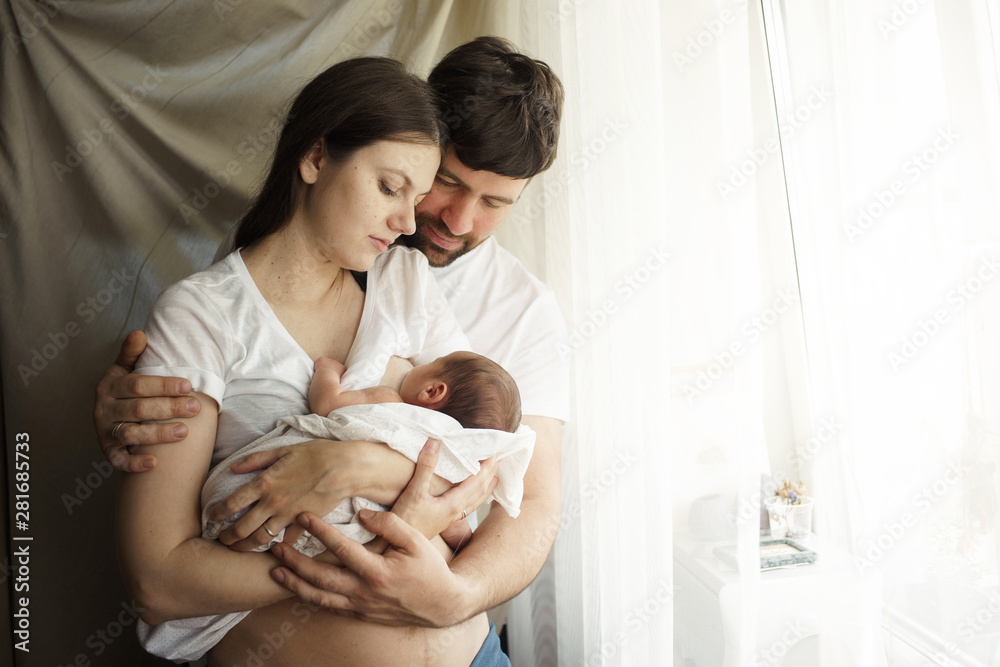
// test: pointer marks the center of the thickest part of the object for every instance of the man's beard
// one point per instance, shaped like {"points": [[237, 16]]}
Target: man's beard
{"points": [[436, 256]]}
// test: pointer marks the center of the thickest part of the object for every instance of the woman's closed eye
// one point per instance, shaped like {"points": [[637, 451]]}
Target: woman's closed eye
{"points": [[386, 190]]}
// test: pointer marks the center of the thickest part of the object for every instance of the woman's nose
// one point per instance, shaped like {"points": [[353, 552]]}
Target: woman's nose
{"points": [[405, 221]]}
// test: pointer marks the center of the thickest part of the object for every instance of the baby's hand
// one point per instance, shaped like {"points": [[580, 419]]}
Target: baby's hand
{"points": [[325, 385], [328, 365]]}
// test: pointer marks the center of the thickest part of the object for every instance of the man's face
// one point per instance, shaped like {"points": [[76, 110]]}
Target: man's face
{"points": [[463, 208]]}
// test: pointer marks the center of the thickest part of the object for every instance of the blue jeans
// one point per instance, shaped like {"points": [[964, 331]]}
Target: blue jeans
{"points": [[490, 654]]}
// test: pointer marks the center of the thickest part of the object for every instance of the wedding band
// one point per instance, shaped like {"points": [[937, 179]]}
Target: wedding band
{"points": [[114, 431], [269, 530], [463, 514]]}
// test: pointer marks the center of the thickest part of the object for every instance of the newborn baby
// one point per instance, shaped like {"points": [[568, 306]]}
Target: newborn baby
{"points": [[474, 390]]}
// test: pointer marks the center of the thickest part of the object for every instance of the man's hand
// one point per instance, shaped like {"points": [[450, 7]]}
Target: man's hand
{"points": [[408, 585], [392, 588], [124, 399]]}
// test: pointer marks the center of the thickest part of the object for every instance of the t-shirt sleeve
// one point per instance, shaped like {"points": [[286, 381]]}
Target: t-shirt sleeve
{"points": [[429, 319], [187, 337], [541, 364], [443, 334]]}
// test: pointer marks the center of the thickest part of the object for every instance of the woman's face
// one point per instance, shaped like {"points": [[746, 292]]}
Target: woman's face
{"points": [[354, 210]]}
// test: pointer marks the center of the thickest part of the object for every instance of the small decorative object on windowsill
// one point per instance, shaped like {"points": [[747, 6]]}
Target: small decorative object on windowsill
{"points": [[790, 511]]}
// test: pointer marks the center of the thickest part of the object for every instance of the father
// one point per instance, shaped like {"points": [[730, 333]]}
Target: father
{"points": [[503, 111]]}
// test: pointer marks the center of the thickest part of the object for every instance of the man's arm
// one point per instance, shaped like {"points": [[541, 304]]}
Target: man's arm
{"points": [[505, 554], [502, 558]]}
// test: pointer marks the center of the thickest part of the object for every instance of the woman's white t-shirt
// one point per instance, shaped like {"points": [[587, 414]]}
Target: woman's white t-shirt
{"points": [[216, 329]]}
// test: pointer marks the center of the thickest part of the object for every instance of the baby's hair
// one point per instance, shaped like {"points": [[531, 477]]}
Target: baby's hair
{"points": [[481, 394]]}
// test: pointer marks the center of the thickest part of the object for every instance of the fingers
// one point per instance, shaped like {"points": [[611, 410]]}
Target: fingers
{"points": [[234, 502], [259, 536], [426, 463], [151, 434], [251, 530], [132, 347], [352, 554], [473, 491], [293, 533], [257, 460], [121, 460], [147, 386], [154, 409], [290, 578], [399, 534]]}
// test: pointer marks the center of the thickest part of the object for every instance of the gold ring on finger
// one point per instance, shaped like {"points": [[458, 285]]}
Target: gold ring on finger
{"points": [[268, 530], [114, 431]]}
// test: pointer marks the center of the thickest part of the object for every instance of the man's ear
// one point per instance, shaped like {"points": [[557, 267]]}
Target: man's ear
{"points": [[433, 394], [310, 164]]}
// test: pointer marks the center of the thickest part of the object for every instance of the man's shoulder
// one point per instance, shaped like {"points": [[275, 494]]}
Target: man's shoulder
{"points": [[500, 272]]}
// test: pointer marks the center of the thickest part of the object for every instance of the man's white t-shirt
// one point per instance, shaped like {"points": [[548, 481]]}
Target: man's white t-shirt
{"points": [[513, 318], [217, 330]]}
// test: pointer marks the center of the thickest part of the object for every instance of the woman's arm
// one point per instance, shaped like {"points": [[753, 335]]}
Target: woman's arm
{"points": [[171, 571], [430, 515], [312, 476]]}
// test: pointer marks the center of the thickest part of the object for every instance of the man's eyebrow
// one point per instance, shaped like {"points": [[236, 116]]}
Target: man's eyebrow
{"points": [[447, 174]]}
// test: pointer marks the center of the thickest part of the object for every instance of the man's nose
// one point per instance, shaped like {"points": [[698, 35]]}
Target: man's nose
{"points": [[458, 215]]}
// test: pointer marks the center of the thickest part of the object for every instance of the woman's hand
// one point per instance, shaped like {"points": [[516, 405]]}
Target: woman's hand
{"points": [[433, 515], [313, 476], [371, 585]]}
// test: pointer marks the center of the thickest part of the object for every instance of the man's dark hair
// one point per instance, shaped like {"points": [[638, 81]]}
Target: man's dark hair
{"points": [[349, 106], [501, 107], [481, 394]]}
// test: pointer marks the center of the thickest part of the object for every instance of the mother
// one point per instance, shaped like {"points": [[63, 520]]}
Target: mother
{"points": [[361, 146]]}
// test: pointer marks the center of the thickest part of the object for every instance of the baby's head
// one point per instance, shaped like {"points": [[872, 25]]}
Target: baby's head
{"points": [[474, 390]]}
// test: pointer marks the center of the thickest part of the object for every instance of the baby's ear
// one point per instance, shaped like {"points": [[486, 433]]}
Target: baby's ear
{"points": [[434, 393]]}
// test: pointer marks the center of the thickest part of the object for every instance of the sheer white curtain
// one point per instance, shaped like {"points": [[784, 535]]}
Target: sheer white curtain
{"points": [[595, 227], [659, 274], [823, 178], [734, 318], [893, 197]]}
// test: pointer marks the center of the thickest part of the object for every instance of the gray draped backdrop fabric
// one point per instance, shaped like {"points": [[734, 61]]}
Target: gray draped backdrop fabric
{"points": [[131, 136]]}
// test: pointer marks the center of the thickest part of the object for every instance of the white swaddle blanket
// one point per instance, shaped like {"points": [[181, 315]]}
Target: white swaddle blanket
{"points": [[405, 428]]}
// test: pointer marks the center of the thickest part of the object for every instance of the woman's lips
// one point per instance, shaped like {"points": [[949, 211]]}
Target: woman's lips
{"points": [[381, 245], [442, 242]]}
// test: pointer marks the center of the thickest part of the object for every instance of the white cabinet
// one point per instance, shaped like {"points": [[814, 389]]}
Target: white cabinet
{"points": [[826, 614]]}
